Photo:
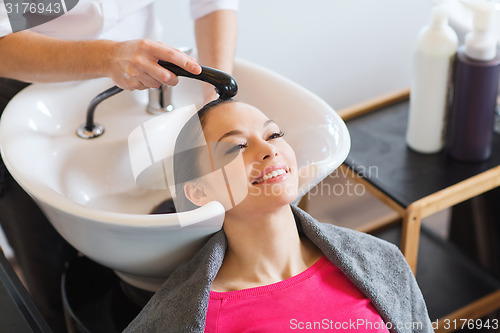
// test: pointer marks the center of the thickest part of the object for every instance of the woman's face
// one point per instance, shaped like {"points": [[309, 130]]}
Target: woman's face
{"points": [[261, 168]]}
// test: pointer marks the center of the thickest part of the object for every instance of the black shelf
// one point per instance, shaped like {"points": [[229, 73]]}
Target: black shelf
{"points": [[380, 154]]}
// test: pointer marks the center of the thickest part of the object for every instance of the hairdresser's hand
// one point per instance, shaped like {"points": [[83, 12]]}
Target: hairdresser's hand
{"points": [[135, 64]]}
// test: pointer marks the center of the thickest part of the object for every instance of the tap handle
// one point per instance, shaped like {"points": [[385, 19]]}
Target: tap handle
{"points": [[225, 85]]}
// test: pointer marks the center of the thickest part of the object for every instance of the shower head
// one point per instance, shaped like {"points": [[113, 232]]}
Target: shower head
{"points": [[225, 85]]}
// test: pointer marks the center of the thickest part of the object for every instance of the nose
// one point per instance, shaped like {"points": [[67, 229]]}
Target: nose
{"points": [[268, 151]]}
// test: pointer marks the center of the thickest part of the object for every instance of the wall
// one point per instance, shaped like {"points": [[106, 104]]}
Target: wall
{"points": [[343, 50]]}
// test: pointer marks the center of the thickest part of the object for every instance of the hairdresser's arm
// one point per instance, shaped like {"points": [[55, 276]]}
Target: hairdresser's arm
{"points": [[32, 57], [216, 36]]}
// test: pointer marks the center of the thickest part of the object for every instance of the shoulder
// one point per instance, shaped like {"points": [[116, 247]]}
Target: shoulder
{"points": [[361, 241]]}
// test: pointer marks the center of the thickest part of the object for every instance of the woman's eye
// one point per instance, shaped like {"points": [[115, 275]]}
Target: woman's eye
{"points": [[236, 148], [276, 135]]}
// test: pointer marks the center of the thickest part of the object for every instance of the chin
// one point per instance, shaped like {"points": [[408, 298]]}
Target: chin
{"points": [[263, 203], [276, 201]]}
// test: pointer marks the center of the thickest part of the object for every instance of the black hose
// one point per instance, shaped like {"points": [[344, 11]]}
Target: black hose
{"points": [[89, 126]]}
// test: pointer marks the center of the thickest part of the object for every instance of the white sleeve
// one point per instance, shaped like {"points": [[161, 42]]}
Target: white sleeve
{"points": [[200, 8], [5, 27]]}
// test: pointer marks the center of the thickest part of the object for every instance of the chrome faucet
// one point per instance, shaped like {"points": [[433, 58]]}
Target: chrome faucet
{"points": [[160, 99]]}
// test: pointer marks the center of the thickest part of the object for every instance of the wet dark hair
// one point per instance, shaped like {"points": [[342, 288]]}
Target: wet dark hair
{"points": [[187, 160]]}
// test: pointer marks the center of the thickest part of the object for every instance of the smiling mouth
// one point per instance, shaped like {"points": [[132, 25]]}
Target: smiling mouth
{"points": [[270, 175]]}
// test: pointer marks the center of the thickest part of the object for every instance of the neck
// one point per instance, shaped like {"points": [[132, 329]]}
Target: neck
{"points": [[262, 249]]}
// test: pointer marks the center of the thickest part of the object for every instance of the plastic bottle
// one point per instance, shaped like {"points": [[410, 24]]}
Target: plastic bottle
{"points": [[433, 59], [475, 88]]}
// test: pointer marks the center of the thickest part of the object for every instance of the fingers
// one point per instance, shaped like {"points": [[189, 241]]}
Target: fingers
{"points": [[136, 65], [164, 52], [142, 82], [128, 83], [160, 51], [149, 81], [160, 74]]}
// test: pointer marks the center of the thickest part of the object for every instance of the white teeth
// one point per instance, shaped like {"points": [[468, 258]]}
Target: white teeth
{"points": [[272, 174]]}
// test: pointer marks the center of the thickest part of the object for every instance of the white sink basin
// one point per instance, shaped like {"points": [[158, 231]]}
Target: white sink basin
{"points": [[87, 188]]}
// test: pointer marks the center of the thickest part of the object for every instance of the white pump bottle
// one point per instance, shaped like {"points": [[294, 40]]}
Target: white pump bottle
{"points": [[437, 45]]}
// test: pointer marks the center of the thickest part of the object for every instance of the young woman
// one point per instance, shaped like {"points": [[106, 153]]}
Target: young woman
{"points": [[273, 268]]}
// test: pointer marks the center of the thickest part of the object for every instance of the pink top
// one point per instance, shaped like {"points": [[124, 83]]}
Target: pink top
{"points": [[320, 298]]}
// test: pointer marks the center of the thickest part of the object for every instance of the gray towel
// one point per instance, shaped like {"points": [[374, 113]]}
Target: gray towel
{"points": [[375, 266]]}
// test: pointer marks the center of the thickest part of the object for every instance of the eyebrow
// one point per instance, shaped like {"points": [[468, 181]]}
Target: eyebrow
{"points": [[237, 132]]}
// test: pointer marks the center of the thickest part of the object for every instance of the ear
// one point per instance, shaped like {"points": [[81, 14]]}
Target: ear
{"points": [[196, 193]]}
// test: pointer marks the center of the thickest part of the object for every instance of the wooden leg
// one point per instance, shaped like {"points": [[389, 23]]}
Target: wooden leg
{"points": [[410, 235]]}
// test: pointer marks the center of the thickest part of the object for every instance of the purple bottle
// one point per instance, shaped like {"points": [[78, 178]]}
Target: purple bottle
{"points": [[475, 90]]}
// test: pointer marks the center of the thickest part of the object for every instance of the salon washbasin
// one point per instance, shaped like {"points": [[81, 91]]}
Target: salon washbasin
{"points": [[87, 187]]}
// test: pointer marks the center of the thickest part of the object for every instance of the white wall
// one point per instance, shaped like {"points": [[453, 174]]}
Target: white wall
{"points": [[345, 51]]}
